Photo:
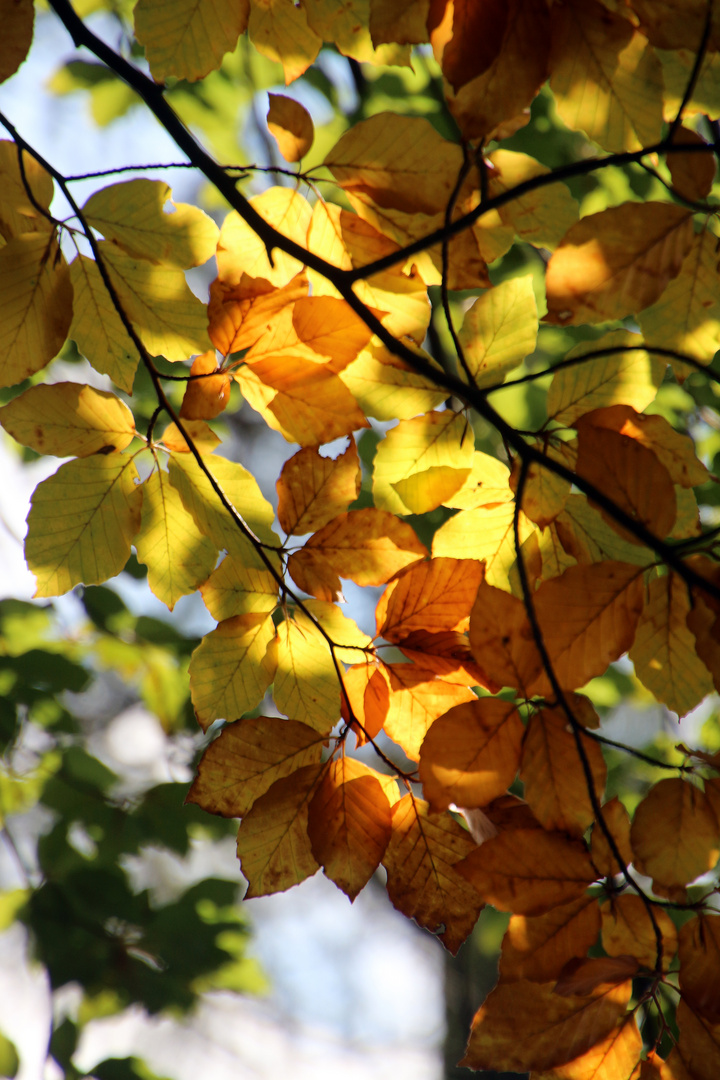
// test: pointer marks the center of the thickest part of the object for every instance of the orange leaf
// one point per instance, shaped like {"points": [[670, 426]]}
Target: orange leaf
{"points": [[675, 834], [247, 758], [529, 871], [471, 754], [448, 655], [416, 699], [239, 314], [627, 473], [617, 262], [628, 930], [583, 975], [617, 820], [207, 397], [553, 775], [538, 947], [700, 965], [366, 546], [434, 596], [501, 639], [331, 328], [313, 489], [349, 824], [525, 1025], [367, 691], [422, 881], [273, 845], [616, 1057], [290, 123]]}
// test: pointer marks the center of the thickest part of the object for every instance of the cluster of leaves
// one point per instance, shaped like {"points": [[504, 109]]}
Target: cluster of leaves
{"points": [[517, 564]]}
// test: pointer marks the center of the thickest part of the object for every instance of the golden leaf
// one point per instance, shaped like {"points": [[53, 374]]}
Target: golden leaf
{"points": [[537, 947], [675, 835], [232, 668], [187, 39], [291, 125], [431, 596], [628, 930], [280, 31], [69, 418], [416, 700]]}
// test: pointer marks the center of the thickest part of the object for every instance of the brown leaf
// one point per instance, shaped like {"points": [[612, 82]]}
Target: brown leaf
{"points": [[470, 755], [448, 655], [699, 941], [529, 871], [538, 947], [617, 262], [692, 175], [699, 1043], [291, 125], [366, 690], [247, 758], [617, 821], [422, 880], [583, 975], [417, 698], [349, 824], [552, 1029], [675, 834], [628, 930], [433, 596], [553, 774], [501, 639], [313, 489]]}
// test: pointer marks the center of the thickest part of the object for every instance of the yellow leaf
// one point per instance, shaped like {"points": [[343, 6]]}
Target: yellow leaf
{"points": [[232, 668], [386, 388], [237, 589], [432, 596], [675, 835], [133, 214], [606, 78], [211, 517], [471, 754], [307, 685], [96, 327], [438, 439], [17, 17], [403, 21], [273, 845], [664, 651], [538, 947], [241, 251], [617, 262], [484, 533], [18, 215], [545, 493], [422, 881], [627, 930], [81, 523], [417, 699], [499, 330], [69, 418], [201, 434], [279, 30], [586, 536], [349, 824], [625, 378], [349, 641], [313, 489], [347, 26], [700, 964], [291, 125], [553, 774], [35, 304], [167, 316], [367, 546], [541, 217], [687, 315], [176, 553], [188, 39], [247, 758], [487, 484]]}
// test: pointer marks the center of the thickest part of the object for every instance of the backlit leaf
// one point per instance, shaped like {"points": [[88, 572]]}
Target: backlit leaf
{"points": [[280, 31], [133, 215], [555, 1029], [541, 217], [82, 521], [692, 174], [18, 214], [273, 844], [366, 546], [617, 262], [699, 1043], [35, 304], [236, 589], [313, 489], [675, 835], [471, 754], [528, 872], [365, 699], [96, 326], [205, 398], [178, 557], [617, 821], [232, 668], [416, 700], [422, 881], [538, 947], [291, 125], [187, 40], [432, 596], [240, 314], [306, 685], [241, 251], [628, 930], [349, 824], [386, 388], [69, 418], [499, 330], [553, 773], [485, 533], [617, 1055], [700, 964], [17, 19], [247, 758], [501, 639]]}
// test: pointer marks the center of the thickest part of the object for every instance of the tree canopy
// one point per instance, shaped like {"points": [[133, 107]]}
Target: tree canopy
{"points": [[481, 304]]}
